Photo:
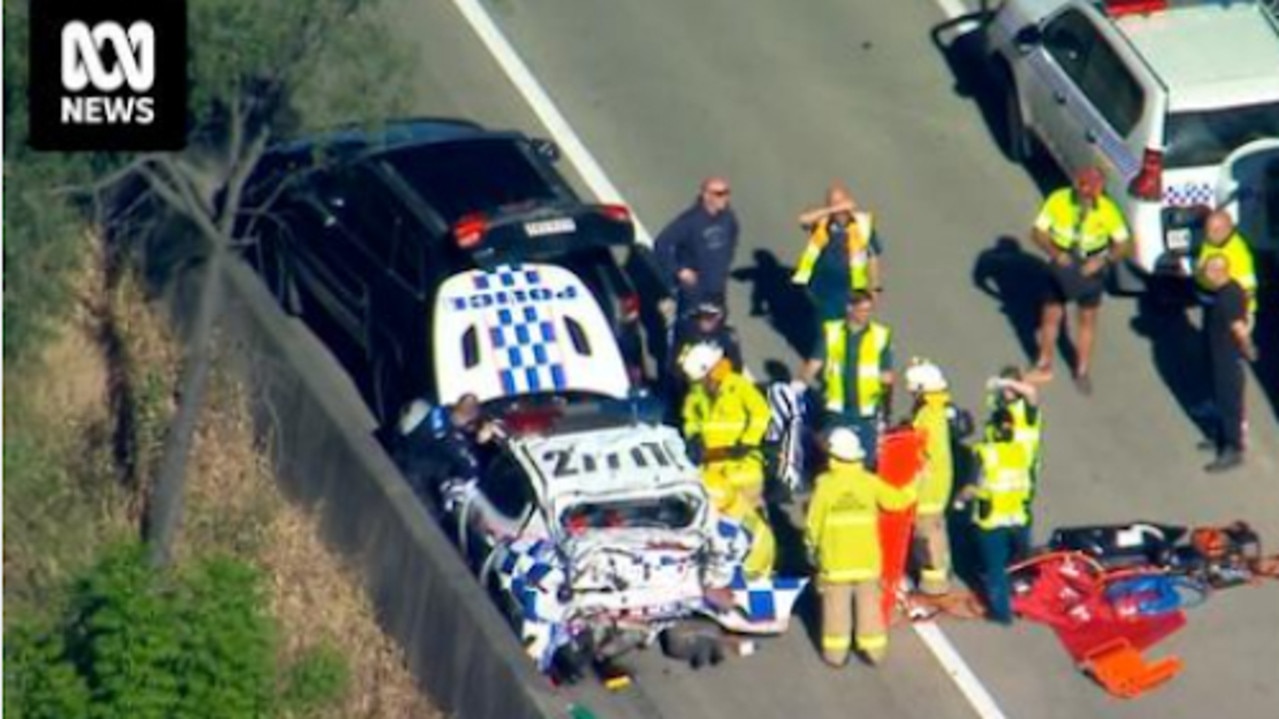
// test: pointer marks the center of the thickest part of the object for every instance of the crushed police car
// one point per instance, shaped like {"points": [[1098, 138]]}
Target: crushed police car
{"points": [[586, 520]]}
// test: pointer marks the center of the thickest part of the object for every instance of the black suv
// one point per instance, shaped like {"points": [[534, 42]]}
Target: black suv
{"points": [[355, 229]]}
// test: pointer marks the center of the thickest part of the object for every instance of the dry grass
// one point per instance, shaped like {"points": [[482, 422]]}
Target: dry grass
{"points": [[116, 361]]}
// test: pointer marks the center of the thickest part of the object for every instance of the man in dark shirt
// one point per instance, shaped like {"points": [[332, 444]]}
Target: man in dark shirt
{"points": [[707, 325], [1229, 342], [438, 448], [695, 251]]}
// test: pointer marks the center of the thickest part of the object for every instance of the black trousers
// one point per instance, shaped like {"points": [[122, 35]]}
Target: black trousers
{"points": [[1227, 396]]}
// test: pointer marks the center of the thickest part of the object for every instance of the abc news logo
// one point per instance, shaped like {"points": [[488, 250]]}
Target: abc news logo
{"points": [[83, 67], [108, 79]]}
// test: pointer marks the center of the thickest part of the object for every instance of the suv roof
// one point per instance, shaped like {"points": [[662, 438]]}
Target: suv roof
{"points": [[1209, 54]]}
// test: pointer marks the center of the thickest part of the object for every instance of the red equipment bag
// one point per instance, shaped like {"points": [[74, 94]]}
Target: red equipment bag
{"points": [[901, 457]]}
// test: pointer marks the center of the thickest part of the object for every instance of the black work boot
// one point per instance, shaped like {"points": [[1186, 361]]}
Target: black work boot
{"points": [[1227, 460]]}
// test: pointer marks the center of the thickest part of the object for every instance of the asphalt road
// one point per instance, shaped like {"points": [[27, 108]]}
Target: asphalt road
{"points": [[783, 97]]}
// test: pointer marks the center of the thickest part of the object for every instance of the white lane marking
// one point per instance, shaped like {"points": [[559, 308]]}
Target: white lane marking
{"points": [[960, 673], [535, 95], [518, 73]]}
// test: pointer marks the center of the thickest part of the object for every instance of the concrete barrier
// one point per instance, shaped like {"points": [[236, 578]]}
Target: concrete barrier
{"points": [[459, 648]]}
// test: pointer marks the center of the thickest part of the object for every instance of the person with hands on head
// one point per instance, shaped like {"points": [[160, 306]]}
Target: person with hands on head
{"points": [[725, 420], [438, 448], [1082, 231], [1010, 392], [856, 368], [1000, 499], [840, 257], [842, 535]]}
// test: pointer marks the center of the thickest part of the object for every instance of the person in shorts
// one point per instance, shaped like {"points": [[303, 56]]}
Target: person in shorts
{"points": [[1083, 232]]}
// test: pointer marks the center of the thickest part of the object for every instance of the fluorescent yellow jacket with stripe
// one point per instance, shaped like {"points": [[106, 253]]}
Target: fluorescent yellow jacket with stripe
{"points": [[860, 230], [938, 476], [1060, 218], [1004, 486], [866, 369], [737, 413], [843, 521], [1239, 263]]}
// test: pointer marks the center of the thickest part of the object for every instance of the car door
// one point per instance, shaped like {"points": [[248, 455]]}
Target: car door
{"points": [[1120, 113], [1060, 107]]}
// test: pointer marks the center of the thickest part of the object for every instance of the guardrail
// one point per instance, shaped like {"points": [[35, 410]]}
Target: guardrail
{"points": [[458, 646]]}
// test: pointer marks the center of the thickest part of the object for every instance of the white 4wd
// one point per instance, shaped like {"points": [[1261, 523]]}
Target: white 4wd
{"points": [[1157, 93]]}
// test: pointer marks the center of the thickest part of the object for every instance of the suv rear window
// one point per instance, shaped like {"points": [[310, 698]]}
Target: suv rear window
{"points": [[457, 178], [1207, 137]]}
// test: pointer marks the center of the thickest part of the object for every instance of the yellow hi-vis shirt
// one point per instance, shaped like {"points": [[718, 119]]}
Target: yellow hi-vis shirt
{"points": [[1239, 264], [737, 413], [858, 235], [1062, 218], [866, 368], [1004, 486], [843, 521], [937, 478]]}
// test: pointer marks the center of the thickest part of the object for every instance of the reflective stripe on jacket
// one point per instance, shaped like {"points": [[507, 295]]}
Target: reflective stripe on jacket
{"points": [[1239, 263], [937, 478], [867, 369], [858, 235], [843, 521], [1060, 218], [736, 413], [1004, 485]]}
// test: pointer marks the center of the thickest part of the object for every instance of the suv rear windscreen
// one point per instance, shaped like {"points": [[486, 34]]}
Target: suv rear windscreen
{"points": [[457, 178], [1203, 138]]}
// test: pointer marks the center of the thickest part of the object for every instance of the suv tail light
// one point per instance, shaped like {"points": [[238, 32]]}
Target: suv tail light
{"points": [[630, 306], [616, 213], [469, 230], [1148, 184], [1119, 8]]}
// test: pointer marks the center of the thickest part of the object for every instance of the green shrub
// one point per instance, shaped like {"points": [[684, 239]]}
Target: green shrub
{"points": [[318, 678]]}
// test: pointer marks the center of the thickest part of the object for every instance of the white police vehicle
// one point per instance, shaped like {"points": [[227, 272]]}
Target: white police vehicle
{"points": [[588, 521], [1158, 93]]}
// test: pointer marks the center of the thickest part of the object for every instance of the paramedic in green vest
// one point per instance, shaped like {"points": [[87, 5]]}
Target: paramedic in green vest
{"points": [[1000, 501], [841, 257], [855, 365], [1082, 231]]}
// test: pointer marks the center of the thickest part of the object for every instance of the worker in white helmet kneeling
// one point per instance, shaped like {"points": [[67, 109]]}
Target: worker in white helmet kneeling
{"points": [[843, 536]]}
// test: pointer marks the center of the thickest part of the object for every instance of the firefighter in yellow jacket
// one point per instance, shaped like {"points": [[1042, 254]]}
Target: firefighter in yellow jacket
{"points": [[940, 421], [843, 533]]}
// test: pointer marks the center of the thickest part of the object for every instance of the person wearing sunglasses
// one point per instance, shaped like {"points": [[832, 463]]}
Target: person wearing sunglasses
{"points": [[695, 251]]}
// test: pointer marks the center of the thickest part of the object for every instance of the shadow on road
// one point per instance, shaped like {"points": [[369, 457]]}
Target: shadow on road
{"points": [[787, 307], [1006, 272], [1266, 333], [1176, 348], [959, 41]]}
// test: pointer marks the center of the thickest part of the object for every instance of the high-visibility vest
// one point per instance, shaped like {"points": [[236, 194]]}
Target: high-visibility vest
{"points": [[1091, 235], [843, 521], [938, 476], [1027, 431], [1004, 485], [870, 350], [857, 239], [1239, 263], [736, 413]]}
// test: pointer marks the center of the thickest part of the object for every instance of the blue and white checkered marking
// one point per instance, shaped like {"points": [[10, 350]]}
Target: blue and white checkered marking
{"points": [[767, 600], [523, 335], [1189, 194]]}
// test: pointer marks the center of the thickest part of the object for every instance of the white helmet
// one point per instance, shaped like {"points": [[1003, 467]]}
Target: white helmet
{"points": [[924, 376], [698, 360], [845, 445]]}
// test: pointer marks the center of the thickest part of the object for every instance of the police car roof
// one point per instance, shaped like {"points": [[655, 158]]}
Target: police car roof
{"points": [[1209, 54], [519, 330]]}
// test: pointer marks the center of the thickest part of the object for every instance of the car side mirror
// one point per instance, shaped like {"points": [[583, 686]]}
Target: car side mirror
{"points": [[546, 148], [1028, 38]]}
